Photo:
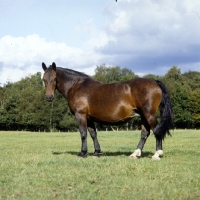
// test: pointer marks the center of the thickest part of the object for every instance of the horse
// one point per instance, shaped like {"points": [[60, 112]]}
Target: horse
{"points": [[92, 101]]}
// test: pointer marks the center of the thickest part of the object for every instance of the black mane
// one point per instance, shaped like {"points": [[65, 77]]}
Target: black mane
{"points": [[72, 76], [71, 72]]}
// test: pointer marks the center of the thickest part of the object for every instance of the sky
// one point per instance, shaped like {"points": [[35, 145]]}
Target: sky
{"points": [[146, 36]]}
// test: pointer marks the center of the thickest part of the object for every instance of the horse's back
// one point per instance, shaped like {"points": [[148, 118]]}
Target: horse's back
{"points": [[131, 90]]}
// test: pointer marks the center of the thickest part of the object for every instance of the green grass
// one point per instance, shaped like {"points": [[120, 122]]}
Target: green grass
{"points": [[45, 166]]}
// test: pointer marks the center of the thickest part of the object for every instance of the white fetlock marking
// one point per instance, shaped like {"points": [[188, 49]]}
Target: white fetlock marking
{"points": [[157, 155], [160, 152], [136, 153]]}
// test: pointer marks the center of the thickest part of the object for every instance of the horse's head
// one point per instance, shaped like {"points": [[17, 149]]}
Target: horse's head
{"points": [[49, 79]]}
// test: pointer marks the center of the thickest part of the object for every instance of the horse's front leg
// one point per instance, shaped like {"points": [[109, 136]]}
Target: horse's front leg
{"points": [[82, 123], [159, 151], [93, 134]]}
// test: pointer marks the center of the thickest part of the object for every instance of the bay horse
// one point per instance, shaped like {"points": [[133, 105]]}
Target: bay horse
{"points": [[92, 101]]}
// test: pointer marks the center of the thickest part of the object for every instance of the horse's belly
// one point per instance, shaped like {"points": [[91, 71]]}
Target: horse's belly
{"points": [[119, 115]]}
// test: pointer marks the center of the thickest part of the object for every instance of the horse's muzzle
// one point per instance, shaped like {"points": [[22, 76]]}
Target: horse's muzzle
{"points": [[49, 97]]}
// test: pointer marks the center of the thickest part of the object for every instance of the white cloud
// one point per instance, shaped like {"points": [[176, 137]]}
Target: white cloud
{"points": [[22, 56], [152, 32]]}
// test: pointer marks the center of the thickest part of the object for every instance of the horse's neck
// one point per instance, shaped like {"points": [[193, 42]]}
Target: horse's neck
{"points": [[64, 82]]}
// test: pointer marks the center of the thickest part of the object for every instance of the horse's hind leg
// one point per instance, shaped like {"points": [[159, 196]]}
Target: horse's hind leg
{"points": [[159, 151], [144, 135], [93, 134], [152, 121]]}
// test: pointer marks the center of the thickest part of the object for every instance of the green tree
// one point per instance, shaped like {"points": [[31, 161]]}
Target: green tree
{"points": [[152, 76], [10, 111], [192, 79], [172, 77], [194, 107], [113, 74], [2, 97], [180, 100]]}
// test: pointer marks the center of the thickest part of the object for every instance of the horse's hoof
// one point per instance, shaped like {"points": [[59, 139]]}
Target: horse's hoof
{"points": [[136, 154], [134, 157], [97, 153], [155, 158], [157, 155], [82, 155]]}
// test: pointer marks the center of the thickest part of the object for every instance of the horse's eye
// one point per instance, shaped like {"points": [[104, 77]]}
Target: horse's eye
{"points": [[54, 79]]}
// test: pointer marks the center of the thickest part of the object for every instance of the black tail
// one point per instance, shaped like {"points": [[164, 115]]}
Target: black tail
{"points": [[166, 114]]}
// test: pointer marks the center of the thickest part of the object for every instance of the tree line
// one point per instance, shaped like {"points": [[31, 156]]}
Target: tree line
{"points": [[23, 105]]}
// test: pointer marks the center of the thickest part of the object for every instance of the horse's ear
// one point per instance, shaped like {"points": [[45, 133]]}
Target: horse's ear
{"points": [[54, 66], [44, 67]]}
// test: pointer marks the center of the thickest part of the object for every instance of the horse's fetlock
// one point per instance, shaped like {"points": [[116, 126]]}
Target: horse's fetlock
{"points": [[82, 154], [97, 153]]}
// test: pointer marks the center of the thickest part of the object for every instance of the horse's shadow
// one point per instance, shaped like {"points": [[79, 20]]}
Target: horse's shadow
{"points": [[105, 154]]}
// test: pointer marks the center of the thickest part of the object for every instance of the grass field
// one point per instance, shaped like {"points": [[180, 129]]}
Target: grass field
{"points": [[45, 166]]}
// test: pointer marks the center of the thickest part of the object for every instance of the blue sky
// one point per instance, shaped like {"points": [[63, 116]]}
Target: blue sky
{"points": [[147, 36]]}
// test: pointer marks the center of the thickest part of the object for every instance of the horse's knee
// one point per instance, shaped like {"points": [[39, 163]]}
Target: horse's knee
{"points": [[83, 135]]}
